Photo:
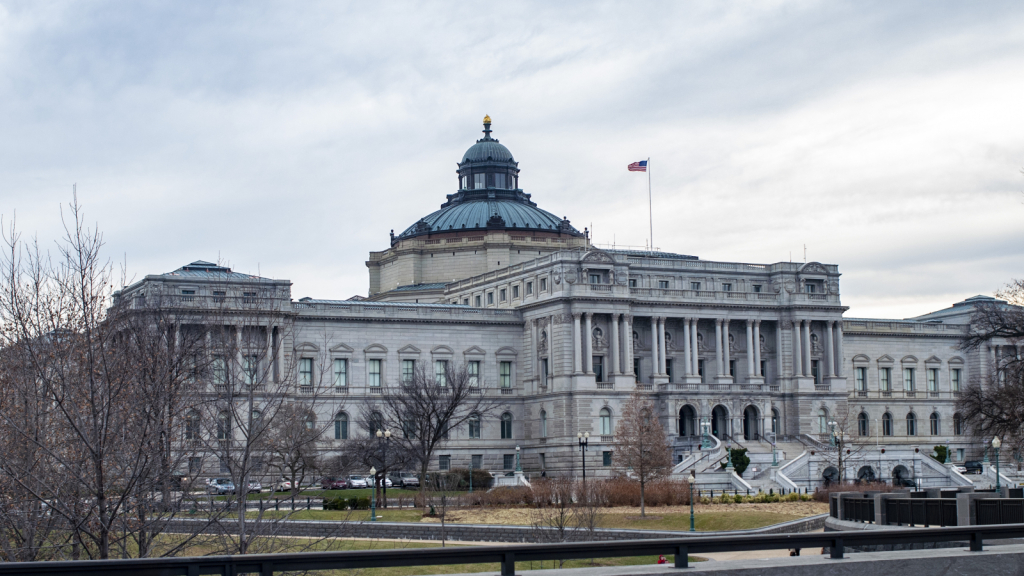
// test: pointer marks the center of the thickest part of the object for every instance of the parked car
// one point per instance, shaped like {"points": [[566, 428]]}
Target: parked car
{"points": [[255, 486], [973, 467], [332, 483], [220, 486], [407, 479], [358, 482], [283, 485], [960, 469]]}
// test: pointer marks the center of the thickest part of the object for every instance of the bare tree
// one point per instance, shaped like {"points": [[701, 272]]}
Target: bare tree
{"points": [[994, 405], [443, 497], [423, 410], [643, 446]]}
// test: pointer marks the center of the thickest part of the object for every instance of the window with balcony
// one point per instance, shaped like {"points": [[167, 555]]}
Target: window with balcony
{"points": [[663, 284], [885, 379], [726, 287], [816, 371], [908, 379], [505, 374], [694, 285], [441, 372], [595, 278], [473, 370], [933, 379], [305, 372], [632, 282], [606, 422], [340, 372], [810, 288], [374, 372], [408, 371], [219, 296], [862, 379], [954, 377], [757, 288]]}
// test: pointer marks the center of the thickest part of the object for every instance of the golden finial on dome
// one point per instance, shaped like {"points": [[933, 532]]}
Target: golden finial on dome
{"points": [[487, 119]]}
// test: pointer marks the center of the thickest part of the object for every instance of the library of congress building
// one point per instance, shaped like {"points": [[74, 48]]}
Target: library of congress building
{"points": [[560, 333]]}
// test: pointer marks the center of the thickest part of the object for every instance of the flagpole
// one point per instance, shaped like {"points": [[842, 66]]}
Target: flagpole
{"points": [[650, 201]]}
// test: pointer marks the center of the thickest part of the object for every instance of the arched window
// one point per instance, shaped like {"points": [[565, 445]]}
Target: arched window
{"points": [[341, 426], [506, 426], [958, 424], [543, 424], [933, 424], [862, 424], [309, 422], [911, 424], [376, 422], [192, 425], [606, 422], [886, 424], [474, 426], [223, 426], [823, 421]]}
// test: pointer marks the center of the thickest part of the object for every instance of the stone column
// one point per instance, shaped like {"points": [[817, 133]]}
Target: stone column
{"points": [[778, 350], [577, 352], [718, 345], [627, 342], [695, 356], [535, 349], [662, 345], [757, 349], [614, 348], [654, 346], [588, 344], [686, 347], [806, 360], [830, 350], [551, 346], [840, 362], [750, 349], [798, 355], [726, 353]]}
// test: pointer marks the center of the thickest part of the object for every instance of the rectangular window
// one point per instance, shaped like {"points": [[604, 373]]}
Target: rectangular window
{"points": [[595, 278], [490, 297], [757, 288], [340, 372], [954, 376], [505, 374], [908, 379], [636, 369], [408, 370], [668, 369], [543, 283], [544, 372], [465, 301], [632, 282], [885, 379], [248, 297], [375, 369], [465, 182], [959, 454], [195, 465], [933, 424], [663, 284], [441, 372], [502, 294], [862, 379], [219, 295], [726, 287], [732, 368], [700, 369], [887, 426], [499, 181], [478, 181], [477, 461], [529, 288], [250, 367], [444, 462], [933, 379], [543, 461], [694, 285], [477, 300], [515, 291], [508, 461], [473, 369], [810, 288], [606, 458], [305, 372], [341, 427], [815, 371], [764, 367], [474, 427], [598, 368]]}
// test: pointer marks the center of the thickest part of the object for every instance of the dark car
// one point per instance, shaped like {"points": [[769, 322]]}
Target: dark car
{"points": [[331, 483], [973, 467]]}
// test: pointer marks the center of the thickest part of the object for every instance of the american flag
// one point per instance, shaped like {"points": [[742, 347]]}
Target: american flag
{"points": [[640, 166]]}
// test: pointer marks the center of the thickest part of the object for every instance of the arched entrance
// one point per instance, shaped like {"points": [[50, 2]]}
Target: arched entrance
{"points": [[830, 475], [751, 430], [687, 421], [866, 474], [720, 422], [902, 477]]}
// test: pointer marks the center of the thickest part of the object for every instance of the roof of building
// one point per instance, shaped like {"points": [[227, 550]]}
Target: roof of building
{"points": [[415, 287], [482, 214], [963, 308], [308, 300], [650, 254], [487, 149], [209, 270]]}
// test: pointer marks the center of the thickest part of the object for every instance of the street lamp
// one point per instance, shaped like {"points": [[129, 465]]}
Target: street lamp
{"points": [[996, 443], [519, 463], [583, 438], [691, 479], [373, 503], [383, 437]]}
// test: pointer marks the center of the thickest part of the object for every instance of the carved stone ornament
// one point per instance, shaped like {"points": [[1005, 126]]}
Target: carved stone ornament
{"points": [[598, 256], [542, 345], [571, 277], [557, 276], [790, 286], [700, 342], [597, 340], [763, 345]]}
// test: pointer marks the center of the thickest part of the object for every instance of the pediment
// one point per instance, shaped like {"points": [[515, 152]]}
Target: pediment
{"points": [[376, 349], [342, 348], [442, 349], [886, 359], [813, 268], [307, 347], [861, 358], [597, 257], [909, 359], [933, 360], [409, 350], [506, 351], [474, 351], [956, 360]]}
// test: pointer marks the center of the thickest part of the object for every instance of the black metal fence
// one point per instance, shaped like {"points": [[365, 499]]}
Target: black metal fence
{"points": [[859, 509], [507, 556], [921, 512], [999, 511]]}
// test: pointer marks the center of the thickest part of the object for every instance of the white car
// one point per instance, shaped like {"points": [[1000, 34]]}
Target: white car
{"points": [[358, 482]]}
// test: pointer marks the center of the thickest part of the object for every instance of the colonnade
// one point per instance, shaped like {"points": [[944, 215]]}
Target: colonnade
{"points": [[833, 347]]}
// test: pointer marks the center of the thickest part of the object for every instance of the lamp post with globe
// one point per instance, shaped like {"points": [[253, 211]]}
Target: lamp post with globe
{"points": [[996, 443], [583, 438], [383, 437], [691, 479], [373, 503]]}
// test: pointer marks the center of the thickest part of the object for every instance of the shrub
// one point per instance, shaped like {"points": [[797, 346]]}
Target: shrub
{"points": [[335, 504], [623, 491], [740, 460], [482, 479]]}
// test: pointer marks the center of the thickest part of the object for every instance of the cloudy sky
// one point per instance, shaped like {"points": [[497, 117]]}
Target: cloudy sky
{"points": [[289, 138]]}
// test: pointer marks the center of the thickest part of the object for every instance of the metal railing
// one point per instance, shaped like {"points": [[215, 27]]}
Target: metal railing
{"points": [[507, 556]]}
